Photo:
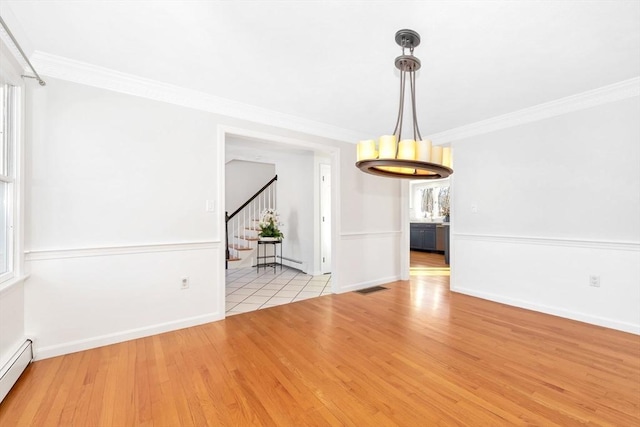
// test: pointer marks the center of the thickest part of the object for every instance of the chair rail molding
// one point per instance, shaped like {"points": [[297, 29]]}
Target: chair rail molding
{"points": [[48, 254], [551, 241], [360, 235]]}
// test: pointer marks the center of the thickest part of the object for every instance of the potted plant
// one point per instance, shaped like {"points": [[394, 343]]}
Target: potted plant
{"points": [[269, 223], [445, 213]]}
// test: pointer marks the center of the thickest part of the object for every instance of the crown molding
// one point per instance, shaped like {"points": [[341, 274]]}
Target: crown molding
{"points": [[81, 72], [604, 95], [104, 78]]}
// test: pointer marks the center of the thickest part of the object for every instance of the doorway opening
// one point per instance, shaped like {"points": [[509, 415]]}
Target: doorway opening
{"points": [[303, 200], [427, 214]]}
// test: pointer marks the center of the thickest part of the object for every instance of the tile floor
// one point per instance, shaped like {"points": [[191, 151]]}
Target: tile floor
{"points": [[249, 290]]}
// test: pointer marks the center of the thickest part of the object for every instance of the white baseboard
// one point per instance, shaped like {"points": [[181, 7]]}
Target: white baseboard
{"points": [[294, 264], [117, 337], [315, 273], [556, 311], [368, 284]]}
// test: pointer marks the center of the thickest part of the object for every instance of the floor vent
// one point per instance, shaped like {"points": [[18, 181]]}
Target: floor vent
{"points": [[14, 368], [371, 289]]}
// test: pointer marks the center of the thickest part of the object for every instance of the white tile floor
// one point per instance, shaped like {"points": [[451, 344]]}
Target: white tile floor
{"points": [[249, 290]]}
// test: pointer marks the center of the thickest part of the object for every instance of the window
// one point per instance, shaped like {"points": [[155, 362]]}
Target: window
{"points": [[429, 200], [7, 179]]}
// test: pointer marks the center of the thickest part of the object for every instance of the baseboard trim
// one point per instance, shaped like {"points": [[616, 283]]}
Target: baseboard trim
{"points": [[368, 284], [40, 255], [550, 241], [118, 337], [292, 263], [555, 311]]}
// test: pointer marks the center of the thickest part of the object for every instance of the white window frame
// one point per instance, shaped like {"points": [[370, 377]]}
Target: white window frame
{"points": [[8, 173], [10, 75]]}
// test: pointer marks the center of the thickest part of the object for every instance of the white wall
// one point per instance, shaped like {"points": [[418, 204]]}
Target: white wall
{"points": [[77, 301], [100, 162], [12, 330], [557, 200], [116, 192], [295, 203], [371, 224], [243, 179], [12, 307], [117, 189]]}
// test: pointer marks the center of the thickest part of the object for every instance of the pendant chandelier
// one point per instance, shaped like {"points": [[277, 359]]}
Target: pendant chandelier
{"points": [[405, 158]]}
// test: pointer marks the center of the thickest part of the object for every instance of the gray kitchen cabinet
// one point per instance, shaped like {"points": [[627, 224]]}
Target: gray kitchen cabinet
{"points": [[428, 236], [422, 236]]}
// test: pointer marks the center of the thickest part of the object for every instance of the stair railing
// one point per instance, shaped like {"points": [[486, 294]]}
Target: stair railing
{"points": [[246, 217]]}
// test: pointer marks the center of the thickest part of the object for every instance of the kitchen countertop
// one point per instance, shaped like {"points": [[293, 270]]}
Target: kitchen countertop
{"points": [[417, 221]]}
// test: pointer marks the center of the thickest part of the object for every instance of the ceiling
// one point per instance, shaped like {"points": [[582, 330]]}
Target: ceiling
{"points": [[333, 61]]}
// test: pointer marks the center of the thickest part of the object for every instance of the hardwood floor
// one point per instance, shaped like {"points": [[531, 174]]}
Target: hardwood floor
{"points": [[412, 355], [418, 259]]}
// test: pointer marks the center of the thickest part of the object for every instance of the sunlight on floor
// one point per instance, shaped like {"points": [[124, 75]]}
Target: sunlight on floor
{"points": [[429, 271]]}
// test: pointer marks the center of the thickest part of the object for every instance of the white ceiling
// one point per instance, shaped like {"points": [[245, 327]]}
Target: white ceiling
{"points": [[333, 61]]}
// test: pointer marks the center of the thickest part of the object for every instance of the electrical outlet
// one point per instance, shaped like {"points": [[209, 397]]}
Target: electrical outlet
{"points": [[185, 283], [594, 281]]}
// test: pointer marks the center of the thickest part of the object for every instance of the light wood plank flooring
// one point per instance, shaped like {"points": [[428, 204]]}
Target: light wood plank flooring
{"points": [[412, 355], [420, 259]]}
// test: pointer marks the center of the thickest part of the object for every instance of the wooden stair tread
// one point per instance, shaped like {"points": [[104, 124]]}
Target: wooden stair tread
{"points": [[234, 259], [240, 248], [247, 238]]}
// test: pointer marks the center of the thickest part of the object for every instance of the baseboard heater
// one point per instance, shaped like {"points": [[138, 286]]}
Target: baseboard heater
{"points": [[12, 370], [284, 258]]}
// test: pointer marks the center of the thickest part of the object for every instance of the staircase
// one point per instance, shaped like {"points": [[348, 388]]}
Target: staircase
{"points": [[242, 226]]}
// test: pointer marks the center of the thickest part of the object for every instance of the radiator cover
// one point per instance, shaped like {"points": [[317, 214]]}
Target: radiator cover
{"points": [[12, 370]]}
